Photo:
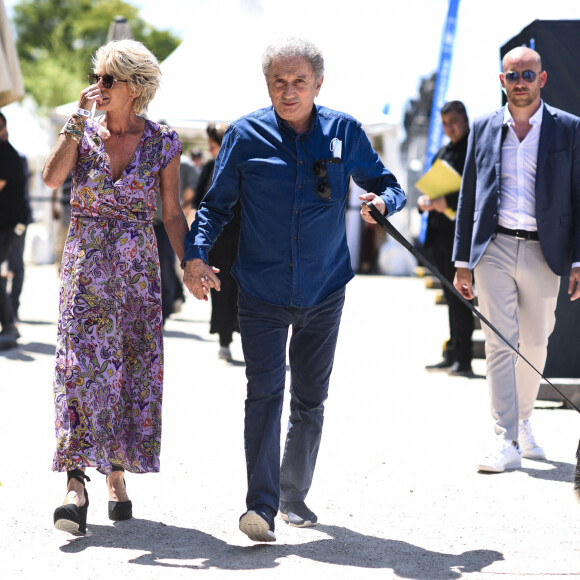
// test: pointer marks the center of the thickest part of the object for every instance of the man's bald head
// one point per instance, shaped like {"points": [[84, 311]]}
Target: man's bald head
{"points": [[522, 53]]}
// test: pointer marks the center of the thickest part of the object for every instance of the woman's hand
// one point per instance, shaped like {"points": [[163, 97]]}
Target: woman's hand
{"points": [[90, 96]]}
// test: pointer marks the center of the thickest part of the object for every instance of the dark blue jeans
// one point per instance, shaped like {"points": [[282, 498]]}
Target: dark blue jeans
{"points": [[7, 240], [264, 331], [170, 283], [16, 266]]}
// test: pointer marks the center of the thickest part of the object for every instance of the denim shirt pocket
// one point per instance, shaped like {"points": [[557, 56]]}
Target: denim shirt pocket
{"points": [[336, 181]]}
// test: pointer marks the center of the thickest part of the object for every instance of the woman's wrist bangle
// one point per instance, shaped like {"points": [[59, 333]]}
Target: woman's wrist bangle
{"points": [[75, 127], [83, 112]]}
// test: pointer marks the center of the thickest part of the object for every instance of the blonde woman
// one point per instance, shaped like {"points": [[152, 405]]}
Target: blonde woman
{"points": [[109, 357]]}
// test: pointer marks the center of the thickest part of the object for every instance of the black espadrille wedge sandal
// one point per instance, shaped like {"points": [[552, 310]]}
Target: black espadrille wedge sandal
{"points": [[120, 510], [70, 517]]}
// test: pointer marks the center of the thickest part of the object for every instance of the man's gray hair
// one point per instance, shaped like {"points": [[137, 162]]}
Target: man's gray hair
{"points": [[291, 48]]}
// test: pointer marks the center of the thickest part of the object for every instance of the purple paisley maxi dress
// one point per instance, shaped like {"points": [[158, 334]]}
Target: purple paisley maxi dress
{"points": [[109, 355]]}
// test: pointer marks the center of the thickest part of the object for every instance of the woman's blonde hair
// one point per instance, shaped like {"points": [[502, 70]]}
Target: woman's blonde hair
{"points": [[131, 61]]}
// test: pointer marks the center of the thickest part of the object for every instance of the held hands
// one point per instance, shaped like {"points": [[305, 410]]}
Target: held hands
{"points": [[463, 282], [199, 278], [377, 201], [574, 285]]}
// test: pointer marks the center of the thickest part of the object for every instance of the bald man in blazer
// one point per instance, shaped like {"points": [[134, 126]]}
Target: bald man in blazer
{"points": [[517, 232]]}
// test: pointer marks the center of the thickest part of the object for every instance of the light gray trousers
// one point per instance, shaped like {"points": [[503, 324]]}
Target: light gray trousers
{"points": [[517, 293]]}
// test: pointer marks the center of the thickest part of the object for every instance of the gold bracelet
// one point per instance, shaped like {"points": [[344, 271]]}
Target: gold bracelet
{"points": [[75, 128], [77, 118]]}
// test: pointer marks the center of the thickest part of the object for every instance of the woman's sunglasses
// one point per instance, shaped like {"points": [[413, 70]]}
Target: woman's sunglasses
{"points": [[107, 80]]}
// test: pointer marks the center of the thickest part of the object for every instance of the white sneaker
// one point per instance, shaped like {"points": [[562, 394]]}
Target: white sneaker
{"points": [[506, 456], [530, 449], [224, 353]]}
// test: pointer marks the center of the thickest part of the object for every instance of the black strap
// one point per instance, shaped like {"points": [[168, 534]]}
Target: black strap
{"points": [[504, 131], [519, 234], [77, 474], [391, 230]]}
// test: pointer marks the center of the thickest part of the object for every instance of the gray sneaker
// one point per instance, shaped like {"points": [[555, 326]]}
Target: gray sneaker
{"points": [[7, 342], [225, 353], [10, 332], [258, 526], [297, 514]]}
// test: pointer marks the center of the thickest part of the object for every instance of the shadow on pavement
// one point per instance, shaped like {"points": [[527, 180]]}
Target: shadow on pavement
{"points": [[24, 351], [39, 348], [180, 334], [236, 363], [38, 322], [473, 376], [560, 471], [550, 471], [190, 320], [174, 547]]}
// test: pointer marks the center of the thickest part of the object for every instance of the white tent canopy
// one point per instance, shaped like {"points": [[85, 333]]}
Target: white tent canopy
{"points": [[200, 90], [215, 74], [230, 83]]}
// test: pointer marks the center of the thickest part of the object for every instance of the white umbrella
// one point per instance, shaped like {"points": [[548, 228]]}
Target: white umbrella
{"points": [[11, 87]]}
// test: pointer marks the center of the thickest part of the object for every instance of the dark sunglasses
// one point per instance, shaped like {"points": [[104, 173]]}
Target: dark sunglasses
{"points": [[528, 75], [107, 80], [323, 188]]}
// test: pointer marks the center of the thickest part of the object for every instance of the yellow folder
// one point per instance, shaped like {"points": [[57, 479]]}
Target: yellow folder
{"points": [[441, 179]]}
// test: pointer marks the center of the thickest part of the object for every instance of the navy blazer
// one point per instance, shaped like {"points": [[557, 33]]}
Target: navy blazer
{"points": [[557, 189]]}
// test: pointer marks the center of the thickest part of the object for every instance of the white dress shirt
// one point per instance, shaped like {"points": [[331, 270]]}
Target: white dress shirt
{"points": [[519, 159]]}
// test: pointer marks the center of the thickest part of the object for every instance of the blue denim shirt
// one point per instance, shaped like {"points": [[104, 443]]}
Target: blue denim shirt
{"points": [[293, 249]]}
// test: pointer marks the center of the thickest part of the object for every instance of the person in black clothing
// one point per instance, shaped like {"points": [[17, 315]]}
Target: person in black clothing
{"points": [[16, 256], [61, 213], [13, 219], [224, 304], [172, 296], [439, 242]]}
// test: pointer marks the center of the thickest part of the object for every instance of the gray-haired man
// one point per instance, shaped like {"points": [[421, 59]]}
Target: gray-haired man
{"points": [[290, 165]]}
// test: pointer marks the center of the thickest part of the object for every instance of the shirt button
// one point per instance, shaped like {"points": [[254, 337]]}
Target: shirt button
{"points": [[291, 265], [299, 187], [494, 216], [301, 162], [295, 237], [296, 212]]}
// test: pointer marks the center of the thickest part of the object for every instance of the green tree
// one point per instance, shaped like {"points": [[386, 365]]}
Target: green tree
{"points": [[56, 39]]}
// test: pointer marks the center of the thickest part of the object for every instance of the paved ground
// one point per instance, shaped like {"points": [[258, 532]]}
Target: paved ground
{"points": [[396, 489]]}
